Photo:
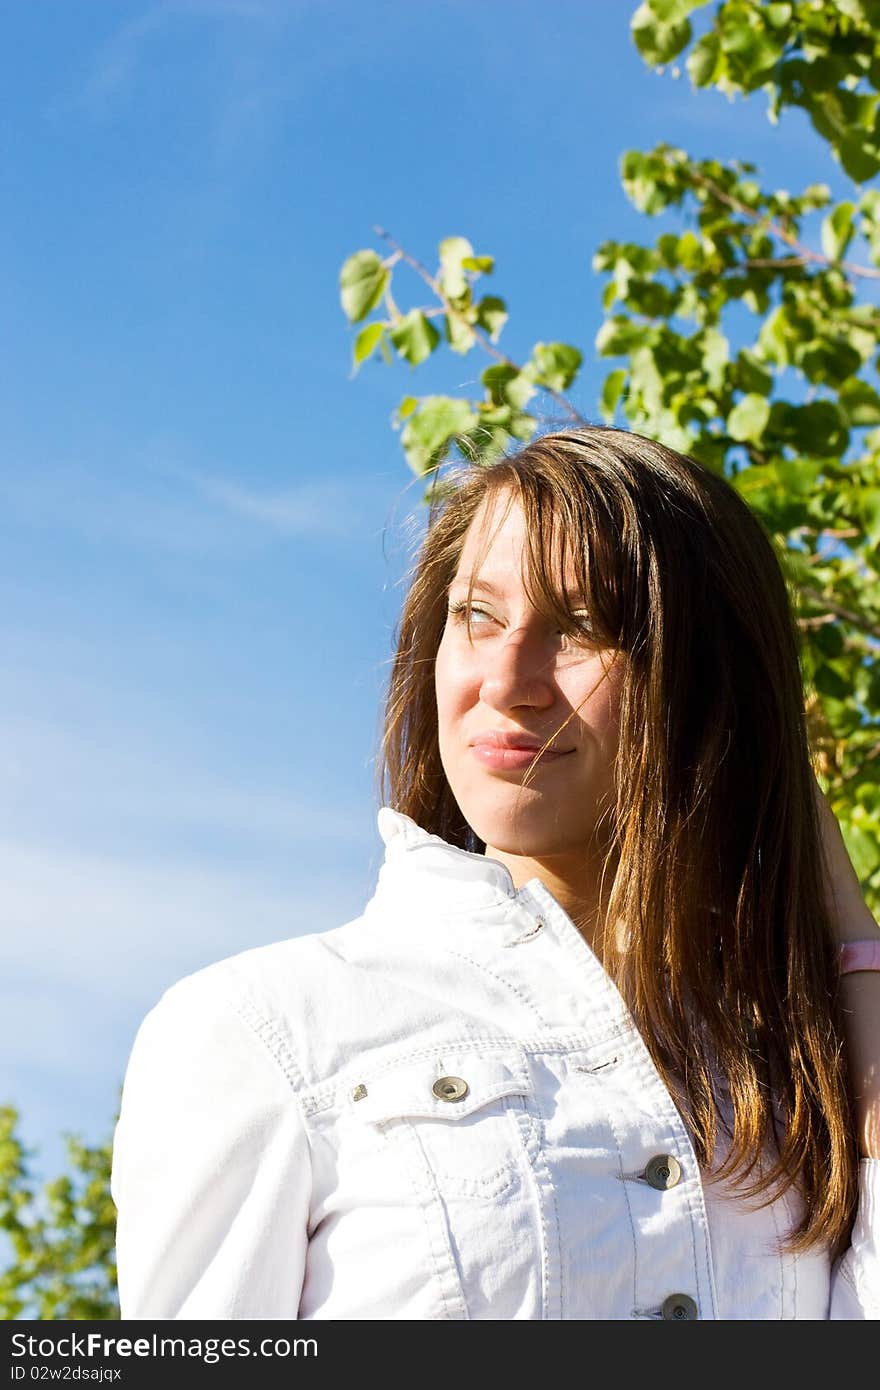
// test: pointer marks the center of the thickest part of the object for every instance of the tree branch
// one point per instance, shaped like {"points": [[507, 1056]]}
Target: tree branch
{"points": [[803, 253], [854, 619], [486, 344]]}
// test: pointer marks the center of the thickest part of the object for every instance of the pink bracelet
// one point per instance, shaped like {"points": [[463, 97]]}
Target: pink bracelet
{"points": [[860, 955]]}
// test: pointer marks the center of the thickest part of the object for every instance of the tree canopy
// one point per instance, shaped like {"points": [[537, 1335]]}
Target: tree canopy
{"points": [[60, 1235]]}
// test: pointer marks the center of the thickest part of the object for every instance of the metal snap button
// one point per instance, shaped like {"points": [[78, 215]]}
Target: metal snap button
{"points": [[662, 1171], [450, 1088], [678, 1307], [359, 1091]]}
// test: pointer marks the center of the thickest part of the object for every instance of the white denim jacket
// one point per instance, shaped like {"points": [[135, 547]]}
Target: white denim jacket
{"points": [[439, 1110]]}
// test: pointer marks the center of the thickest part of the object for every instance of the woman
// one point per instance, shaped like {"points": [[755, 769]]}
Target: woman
{"points": [[592, 1050]]}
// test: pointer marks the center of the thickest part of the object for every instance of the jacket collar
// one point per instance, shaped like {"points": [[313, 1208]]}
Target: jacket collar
{"points": [[440, 877]]}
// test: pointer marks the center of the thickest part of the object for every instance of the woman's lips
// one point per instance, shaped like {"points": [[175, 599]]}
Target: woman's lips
{"points": [[512, 759]]}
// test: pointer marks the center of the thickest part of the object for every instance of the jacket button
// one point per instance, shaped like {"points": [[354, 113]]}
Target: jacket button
{"points": [[662, 1171], [679, 1308], [450, 1088]]}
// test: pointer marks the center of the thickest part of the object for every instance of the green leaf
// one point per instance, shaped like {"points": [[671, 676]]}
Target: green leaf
{"points": [[658, 41], [414, 336], [689, 251], [507, 386], [829, 360], [752, 47], [828, 681], [860, 156], [715, 355], [554, 365], [366, 342], [362, 282], [751, 375], [483, 265], [453, 251], [428, 433], [620, 335], [860, 403], [818, 428], [492, 315], [748, 419], [641, 179], [670, 11], [777, 15], [773, 339], [522, 427], [838, 230], [459, 334], [611, 393], [705, 60], [828, 639], [407, 406], [867, 505], [863, 849]]}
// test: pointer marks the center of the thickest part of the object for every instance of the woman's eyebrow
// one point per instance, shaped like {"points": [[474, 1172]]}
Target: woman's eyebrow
{"points": [[488, 587], [485, 584]]}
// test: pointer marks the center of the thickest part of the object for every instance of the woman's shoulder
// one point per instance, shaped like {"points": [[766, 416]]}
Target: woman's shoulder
{"points": [[264, 973], [287, 995]]}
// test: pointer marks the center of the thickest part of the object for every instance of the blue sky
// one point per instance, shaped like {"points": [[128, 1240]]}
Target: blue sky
{"points": [[204, 521]]}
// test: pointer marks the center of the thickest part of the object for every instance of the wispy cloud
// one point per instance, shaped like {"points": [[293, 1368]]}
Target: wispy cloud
{"points": [[121, 929], [116, 64], [85, 787], [311, 509], [170, 508]]}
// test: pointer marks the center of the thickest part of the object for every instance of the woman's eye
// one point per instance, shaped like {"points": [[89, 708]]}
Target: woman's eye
{"points": [[582, 624], [463, 610]]}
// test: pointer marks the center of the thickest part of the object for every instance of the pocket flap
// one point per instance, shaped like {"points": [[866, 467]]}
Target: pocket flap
{"points": [[447, 1085]]}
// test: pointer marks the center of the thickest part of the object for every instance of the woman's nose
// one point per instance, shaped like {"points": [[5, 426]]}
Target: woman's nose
{"points": [[519, 671]]}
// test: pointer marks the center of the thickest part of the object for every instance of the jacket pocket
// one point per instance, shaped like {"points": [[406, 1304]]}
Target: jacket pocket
{"points": [[460, 1110]]}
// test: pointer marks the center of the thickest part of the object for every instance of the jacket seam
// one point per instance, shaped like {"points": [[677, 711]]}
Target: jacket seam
{"points": [[264, 1029], [478, 965]]}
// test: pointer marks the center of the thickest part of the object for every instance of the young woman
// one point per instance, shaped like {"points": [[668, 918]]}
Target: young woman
{"points": [[604, 1042]]}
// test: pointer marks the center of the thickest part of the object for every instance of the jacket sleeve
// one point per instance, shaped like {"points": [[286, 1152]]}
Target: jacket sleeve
{"points": [[855, 1285], [211, 1172]]}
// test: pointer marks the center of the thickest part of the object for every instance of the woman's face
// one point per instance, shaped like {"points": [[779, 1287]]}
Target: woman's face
{"points": [[518, 679]]}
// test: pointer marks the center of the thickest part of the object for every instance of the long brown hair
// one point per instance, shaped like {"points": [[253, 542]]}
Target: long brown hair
{"points": [[730, 970]]}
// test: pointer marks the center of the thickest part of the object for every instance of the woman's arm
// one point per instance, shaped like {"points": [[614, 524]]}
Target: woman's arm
{"points": [[211, 1172], [860, 990]]}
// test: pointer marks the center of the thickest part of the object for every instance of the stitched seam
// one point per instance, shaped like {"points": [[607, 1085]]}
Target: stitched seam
{"points": [[632, 1225], [265, 1030], [541, 1134], [689, 1193], [428, 1230], [534, 1162], [848, 1278], [792, 1257], [499, 979], [529, 936], [490, 1186]]}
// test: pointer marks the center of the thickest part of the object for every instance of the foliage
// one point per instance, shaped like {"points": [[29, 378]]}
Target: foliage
{"points": [[61, 1239], [790, 415]]}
